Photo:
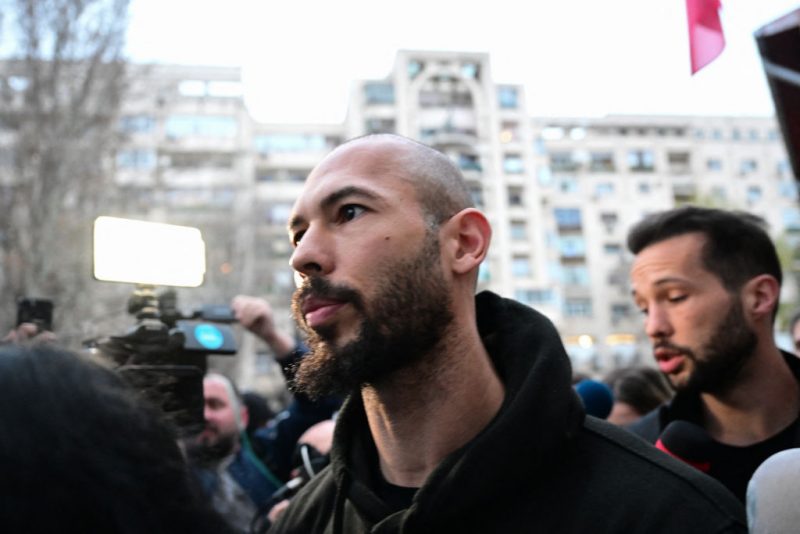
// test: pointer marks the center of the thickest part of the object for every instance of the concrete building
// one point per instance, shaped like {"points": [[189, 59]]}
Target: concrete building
{"points": [[560, 192]]}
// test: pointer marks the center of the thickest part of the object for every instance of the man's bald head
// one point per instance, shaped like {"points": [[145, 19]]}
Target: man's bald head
{"points": [[437, 181]]}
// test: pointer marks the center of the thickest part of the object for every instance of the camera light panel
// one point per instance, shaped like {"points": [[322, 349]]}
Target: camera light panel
{"points": [[142, 252]]}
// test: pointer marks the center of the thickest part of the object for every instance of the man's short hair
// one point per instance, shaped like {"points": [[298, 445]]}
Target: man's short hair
{"points": [[438, 182], [737, 247]]}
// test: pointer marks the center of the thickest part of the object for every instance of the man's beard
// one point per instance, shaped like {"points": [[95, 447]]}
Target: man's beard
{"points": [[205, 452], [725, 355], [403, 322]]}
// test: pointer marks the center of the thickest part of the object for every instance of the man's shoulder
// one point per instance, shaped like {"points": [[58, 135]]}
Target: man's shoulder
{"points": [[643, 476]]}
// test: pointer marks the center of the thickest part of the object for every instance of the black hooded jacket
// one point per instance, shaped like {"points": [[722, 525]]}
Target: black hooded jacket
{"points": [[541, 465]]}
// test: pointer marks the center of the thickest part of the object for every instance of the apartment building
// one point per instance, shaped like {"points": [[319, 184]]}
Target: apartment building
{"points": [[559, 192]]}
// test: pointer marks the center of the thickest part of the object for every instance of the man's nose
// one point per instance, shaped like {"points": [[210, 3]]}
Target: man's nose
{"points": [[313, 254], [657, 323]]}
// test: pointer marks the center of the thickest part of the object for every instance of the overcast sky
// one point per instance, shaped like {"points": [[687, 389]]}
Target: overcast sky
{"points": [[574, 57]]}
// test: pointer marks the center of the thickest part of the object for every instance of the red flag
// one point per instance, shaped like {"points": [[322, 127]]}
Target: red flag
{"points": [[706, 40]]}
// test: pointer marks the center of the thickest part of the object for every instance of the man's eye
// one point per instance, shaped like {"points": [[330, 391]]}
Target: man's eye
{"points": [[676, 298], [349, 212], [297, 237]]}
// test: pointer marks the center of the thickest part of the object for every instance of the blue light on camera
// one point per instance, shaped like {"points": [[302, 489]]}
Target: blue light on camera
{"points": [[209, 336]]}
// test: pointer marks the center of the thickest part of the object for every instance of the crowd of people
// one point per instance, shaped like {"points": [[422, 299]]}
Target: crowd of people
{"points": [[419, 406]]}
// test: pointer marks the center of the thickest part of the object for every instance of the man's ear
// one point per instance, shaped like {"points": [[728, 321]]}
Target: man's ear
{"points": [[761, 296], [467, 236]]}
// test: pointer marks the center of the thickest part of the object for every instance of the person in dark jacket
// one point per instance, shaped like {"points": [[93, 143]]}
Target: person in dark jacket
{"points": [[82, 452], [241, 471], [708, 282], [461, 416]]}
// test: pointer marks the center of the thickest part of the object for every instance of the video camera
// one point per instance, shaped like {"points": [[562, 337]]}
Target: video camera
{"points": [[163, 356]]}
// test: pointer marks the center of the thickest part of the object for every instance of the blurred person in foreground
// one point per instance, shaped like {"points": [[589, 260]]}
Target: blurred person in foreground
{"points": [[637, 390], [461, 416], [80, 452], [241, 470], [708, 283]]}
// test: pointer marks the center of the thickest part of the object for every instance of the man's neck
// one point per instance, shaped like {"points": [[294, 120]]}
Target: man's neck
{"points": [[765, 401], [426, 412]]}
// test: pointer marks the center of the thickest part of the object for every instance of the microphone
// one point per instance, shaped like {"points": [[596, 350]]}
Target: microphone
{"points": [[597, 397], [687, 442]]}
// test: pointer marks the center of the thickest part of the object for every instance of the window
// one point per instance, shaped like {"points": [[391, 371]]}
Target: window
{"points": [[572, 246], [509, 132], [772, 135], [136, 123], [507, 97], [379, 93], [470, 70], [753, 135], [512, 164], [782, 168], [179, 126], [379, 126], [612, 249], [288, 142], [753, 194], [601, 162], [298, 175], [620, 311], [519, 230], [575, 275], [535, 297], [469, 162], [719, 194], [748, 166], [788, 189], [714, 164], [644, 187], [414, 68], [18, 84], [604, 189], [563, 162], [716, 134], [266, 176], [641, 161], [476, 193], [609, 220], [568, 185], [515, 197], [578, 307], [199, 160], [279, 213], [141, 159], [679, 162], [791, 218], [544, 176], [520, 267], [568, 218]]}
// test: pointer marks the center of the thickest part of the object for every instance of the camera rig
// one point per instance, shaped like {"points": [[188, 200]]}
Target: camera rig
{"points": [[163, 356]]}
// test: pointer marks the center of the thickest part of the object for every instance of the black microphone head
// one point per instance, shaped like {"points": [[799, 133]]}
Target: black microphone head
{"points": [[687, 442]]}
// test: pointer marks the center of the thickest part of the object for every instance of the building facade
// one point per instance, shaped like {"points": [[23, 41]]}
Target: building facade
{"points": [[560, 192]]}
